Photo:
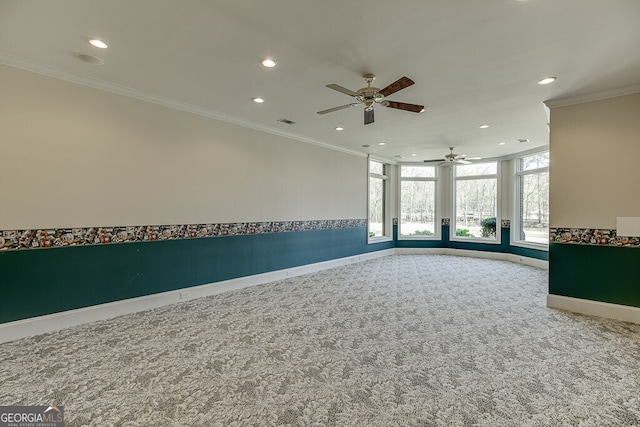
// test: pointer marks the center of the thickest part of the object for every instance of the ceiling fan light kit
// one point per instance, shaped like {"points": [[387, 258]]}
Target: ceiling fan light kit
{"points": [[369, 96]]}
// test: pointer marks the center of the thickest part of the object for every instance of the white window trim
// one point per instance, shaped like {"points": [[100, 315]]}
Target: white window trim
{"points": [[386, 226], [515, 223], [454, 213], [437, 234]]}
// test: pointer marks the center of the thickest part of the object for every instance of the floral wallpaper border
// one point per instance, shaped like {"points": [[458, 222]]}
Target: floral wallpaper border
{"points": [[591, 236], [64, 237]]}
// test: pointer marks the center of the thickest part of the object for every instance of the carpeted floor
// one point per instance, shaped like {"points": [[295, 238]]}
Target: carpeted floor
{"points": [[405, 340]]}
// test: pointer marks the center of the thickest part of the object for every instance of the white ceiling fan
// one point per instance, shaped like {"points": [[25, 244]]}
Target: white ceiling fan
{"points": [[452, 158]]}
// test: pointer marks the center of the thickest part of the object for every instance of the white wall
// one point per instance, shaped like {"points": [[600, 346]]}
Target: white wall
{"points": [[594, 172], [73, 156]]}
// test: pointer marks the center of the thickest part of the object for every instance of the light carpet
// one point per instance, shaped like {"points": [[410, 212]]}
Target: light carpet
{"points": [[405, 340]]}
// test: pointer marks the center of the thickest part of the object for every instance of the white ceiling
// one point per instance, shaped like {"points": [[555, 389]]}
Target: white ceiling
{"points": [[473, 61]]}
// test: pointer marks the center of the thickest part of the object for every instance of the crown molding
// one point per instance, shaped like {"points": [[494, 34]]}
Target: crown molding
{"points": [[595, 96], [56, 73]]}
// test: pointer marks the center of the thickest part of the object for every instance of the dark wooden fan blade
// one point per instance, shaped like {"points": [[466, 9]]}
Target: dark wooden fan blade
{"points": [[342, 89], [331, 110], [404, 106], [399, 84], [368, 117], [434, 160]]}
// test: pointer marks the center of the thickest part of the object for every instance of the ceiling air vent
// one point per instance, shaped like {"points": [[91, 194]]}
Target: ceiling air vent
{"points": [[287, 121], [90, 59]]}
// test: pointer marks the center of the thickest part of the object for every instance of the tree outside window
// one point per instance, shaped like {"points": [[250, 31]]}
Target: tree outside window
{"points": [[532, 194], [377, 199], [476, 201], [417, 201]]}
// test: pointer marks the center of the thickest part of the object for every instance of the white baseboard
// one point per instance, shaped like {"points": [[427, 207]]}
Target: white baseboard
{"points": [[419, 251], [532, 262], [625, 313], [39, 325], [538, 263]]}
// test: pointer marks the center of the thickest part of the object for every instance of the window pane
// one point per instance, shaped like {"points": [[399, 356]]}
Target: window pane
{"points": [[534, 208], [535, 161], [376, 207], [376, 167], [417, 208], [476, 207], [418, 171], [477, 169]]}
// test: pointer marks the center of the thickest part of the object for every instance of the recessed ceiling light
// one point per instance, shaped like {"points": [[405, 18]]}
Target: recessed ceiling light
{"points": [[98, 43], [414, 155], [258, 100], [523, 140], [382, 143], [269, 63], [546, 80], [483, 126], [366, 146], [502, 143], [338, 128]]}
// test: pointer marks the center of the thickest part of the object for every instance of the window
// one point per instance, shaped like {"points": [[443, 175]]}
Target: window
{"points": [[476, 202], [378, 192], [532, 198], [417, 201]]}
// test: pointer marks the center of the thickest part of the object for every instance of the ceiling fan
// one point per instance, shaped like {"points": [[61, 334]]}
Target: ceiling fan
{"points": [[452, 158], [369, 96]]}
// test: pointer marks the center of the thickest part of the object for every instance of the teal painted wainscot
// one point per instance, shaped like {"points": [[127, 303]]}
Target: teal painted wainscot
{"points": [[594, 264], [53, 270]]}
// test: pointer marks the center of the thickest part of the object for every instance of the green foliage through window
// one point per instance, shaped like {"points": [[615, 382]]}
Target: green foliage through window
{"points": [[488, 227], [463, 232]]}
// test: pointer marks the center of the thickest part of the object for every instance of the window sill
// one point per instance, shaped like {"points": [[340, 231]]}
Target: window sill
{"points": [[419, 238], [531, 245], [475, 240], [372, 240]]}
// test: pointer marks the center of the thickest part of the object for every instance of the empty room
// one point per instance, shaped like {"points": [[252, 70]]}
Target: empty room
{"points": [[295, 213]]}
